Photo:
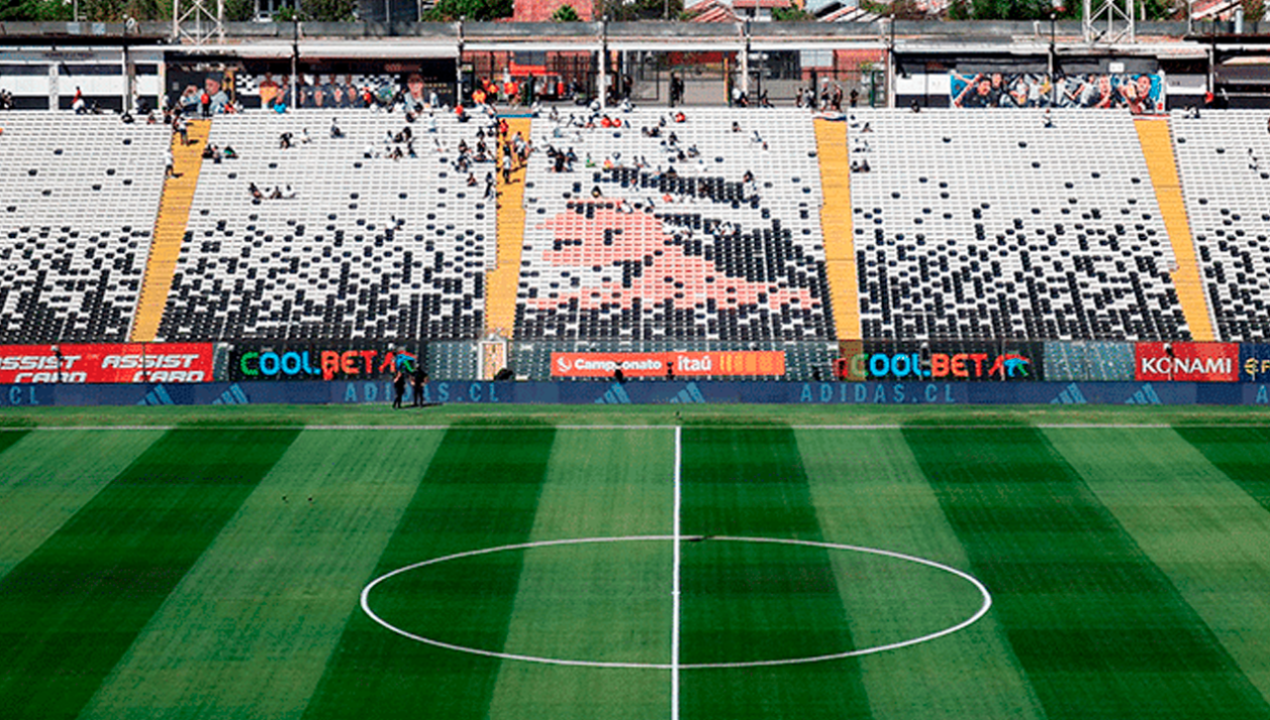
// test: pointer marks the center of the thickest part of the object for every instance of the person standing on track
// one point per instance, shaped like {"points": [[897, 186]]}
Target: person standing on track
{"points": [[418, 380], [398, 388]]}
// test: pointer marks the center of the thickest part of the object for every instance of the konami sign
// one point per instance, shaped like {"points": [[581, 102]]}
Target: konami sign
{"points": [[669, 364], [1186, 361]]}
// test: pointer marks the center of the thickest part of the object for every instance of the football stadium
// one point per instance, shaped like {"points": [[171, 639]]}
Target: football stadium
{"points": [[755, 359]]}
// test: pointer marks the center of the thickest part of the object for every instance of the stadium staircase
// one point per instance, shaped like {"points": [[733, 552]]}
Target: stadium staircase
{"points": [[502, 282], [835, 218], [1157, 148], [169, 230]]}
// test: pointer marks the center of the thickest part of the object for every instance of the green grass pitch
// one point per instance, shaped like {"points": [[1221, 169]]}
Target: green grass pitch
{"points": [[210, 563]]}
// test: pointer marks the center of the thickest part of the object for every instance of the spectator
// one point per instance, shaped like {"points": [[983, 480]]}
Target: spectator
{"points": [[336, 132], [182, 128], [77, 104], [169, 163], [284, 141]]}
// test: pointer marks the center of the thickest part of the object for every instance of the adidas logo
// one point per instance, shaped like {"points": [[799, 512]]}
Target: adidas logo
{"points": [[690, 394], [1144, 396], [1071, 395], [233, 396], [157, 396], [615, 395]]}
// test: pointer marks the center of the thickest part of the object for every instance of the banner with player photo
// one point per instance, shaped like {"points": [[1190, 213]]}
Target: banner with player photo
{"points": [[1139, 92], [348, 84]]}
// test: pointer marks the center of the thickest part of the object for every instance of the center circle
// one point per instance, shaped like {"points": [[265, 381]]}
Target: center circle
{"points": [[985, 605]]}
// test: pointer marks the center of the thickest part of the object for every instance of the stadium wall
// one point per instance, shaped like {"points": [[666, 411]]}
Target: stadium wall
{"points": [[644, 393]]}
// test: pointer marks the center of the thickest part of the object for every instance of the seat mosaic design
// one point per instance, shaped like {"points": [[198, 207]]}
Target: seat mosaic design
{"points": [[1224, 162], [991, 225], [627, 250], [370, 247], [79, 195]]}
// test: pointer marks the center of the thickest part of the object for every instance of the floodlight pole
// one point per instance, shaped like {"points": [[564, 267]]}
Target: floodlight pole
{"points": [[604, 62]]}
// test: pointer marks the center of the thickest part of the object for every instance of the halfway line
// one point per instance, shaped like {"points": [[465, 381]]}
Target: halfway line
{"points": [[674, 625]]}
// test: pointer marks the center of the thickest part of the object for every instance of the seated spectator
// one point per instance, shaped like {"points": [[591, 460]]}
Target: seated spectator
{"points": [[288, 194], [336, 132], [284, 141], [736, 126], [471, 180], [255, 191], [230, 153]]}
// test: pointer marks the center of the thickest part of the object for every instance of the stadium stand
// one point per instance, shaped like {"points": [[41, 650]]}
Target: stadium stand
{"points": [[169, 229], [501, 283], [989, 224], [78, 199], [621, 248], [1224, 162], [360, 246]]}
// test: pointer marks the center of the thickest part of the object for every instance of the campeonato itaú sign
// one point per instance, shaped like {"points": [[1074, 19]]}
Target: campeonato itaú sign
{"points": [[663, 364]]}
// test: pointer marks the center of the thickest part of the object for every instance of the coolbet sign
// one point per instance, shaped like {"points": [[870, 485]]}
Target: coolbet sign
{"points": [[108, 363], [901, 361], [1193, 362], [314, 364], [685, 364]]}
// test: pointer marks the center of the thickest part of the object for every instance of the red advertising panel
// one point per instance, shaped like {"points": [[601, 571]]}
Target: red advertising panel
{"points": [[683, 364], [1192, 362], [106, 363]]}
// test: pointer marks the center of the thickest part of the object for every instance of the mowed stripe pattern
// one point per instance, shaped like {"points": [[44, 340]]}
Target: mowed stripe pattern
{"points": [[481, 490], [1098, 628], [169, 579], [73, 607], [748, 601]]}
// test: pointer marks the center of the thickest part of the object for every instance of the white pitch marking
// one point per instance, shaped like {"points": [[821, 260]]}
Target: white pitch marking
{"points": [[983, 608], [674, 592], [887, 426]]}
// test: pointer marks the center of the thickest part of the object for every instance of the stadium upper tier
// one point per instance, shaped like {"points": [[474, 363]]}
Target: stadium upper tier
{"points": [[989, 224], [701, 226], [1224, 161], [966, 224], [359, 245], [78, 199]]}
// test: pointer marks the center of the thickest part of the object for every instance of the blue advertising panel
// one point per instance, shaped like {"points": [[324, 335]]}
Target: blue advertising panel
{"points": [[341, 392]]}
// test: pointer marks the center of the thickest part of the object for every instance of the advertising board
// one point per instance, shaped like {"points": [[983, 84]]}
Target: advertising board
{"points": [[1186, 361], [720, 363], [106, 363]]}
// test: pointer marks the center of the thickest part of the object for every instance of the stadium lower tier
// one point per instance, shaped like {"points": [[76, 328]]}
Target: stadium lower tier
{"points": [[642, 227]]}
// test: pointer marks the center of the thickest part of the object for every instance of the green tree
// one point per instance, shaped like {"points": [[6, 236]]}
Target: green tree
{"points": [[33, 11], [620, 11], [478, 10], [328, 10], [565, 13], [792, 13]]}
